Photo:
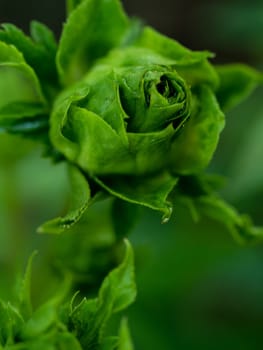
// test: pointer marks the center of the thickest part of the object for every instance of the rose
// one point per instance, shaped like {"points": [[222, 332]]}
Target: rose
{"points": [[125, 121], [136, 112], [132, 113], [153, 97], [124, 118], [135, 102], [140, 110]]}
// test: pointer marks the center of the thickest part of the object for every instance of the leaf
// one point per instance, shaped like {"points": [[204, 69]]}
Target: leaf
{"points": [[11, 323], [52, 340], [80, 201], [46, 317], [118, 290], [240, 226], [42, 319], [194, 147], [104, 24], [25, 305], [191, 65], [151, 192], [237, 81], [165, 46], [82, 323], [5, 323], [44, 38], [20, 92], [39, 53], [67, 341], [198, 193], [28, 126], [125, 342], [40, 329]]}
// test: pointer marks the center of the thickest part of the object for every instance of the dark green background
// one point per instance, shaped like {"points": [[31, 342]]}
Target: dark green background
{"points": [[233, 29], [198, 289]]}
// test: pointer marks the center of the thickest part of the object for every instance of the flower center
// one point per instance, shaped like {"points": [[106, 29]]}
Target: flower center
{"points": [[166, 88]]}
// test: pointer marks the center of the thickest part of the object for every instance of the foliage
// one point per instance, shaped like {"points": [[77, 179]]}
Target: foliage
{"points": [[59, 324]]}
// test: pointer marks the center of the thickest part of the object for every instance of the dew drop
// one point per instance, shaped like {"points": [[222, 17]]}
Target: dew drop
{"points": [[166, 217]]}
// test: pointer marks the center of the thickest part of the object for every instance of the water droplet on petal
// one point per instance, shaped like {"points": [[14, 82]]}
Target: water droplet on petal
{"points": [[167, 215]]}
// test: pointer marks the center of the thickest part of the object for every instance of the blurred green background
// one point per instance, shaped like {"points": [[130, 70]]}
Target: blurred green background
{"points": [[197, 288]]}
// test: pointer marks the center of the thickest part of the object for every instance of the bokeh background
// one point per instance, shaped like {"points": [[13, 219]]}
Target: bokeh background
{"points": [[197, 288]]}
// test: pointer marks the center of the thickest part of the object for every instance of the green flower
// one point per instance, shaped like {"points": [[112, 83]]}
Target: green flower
{"points": [[130, 109], [139, 109], [153, 97], [121, 120]]}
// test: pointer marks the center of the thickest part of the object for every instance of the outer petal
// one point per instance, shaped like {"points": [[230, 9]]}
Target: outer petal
{"points": [[194, 147], [92, 29]]}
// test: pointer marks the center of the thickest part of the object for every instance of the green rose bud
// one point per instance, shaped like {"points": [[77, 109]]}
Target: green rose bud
{"points": [[124, 123], [139, 109], [153, 97]]}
